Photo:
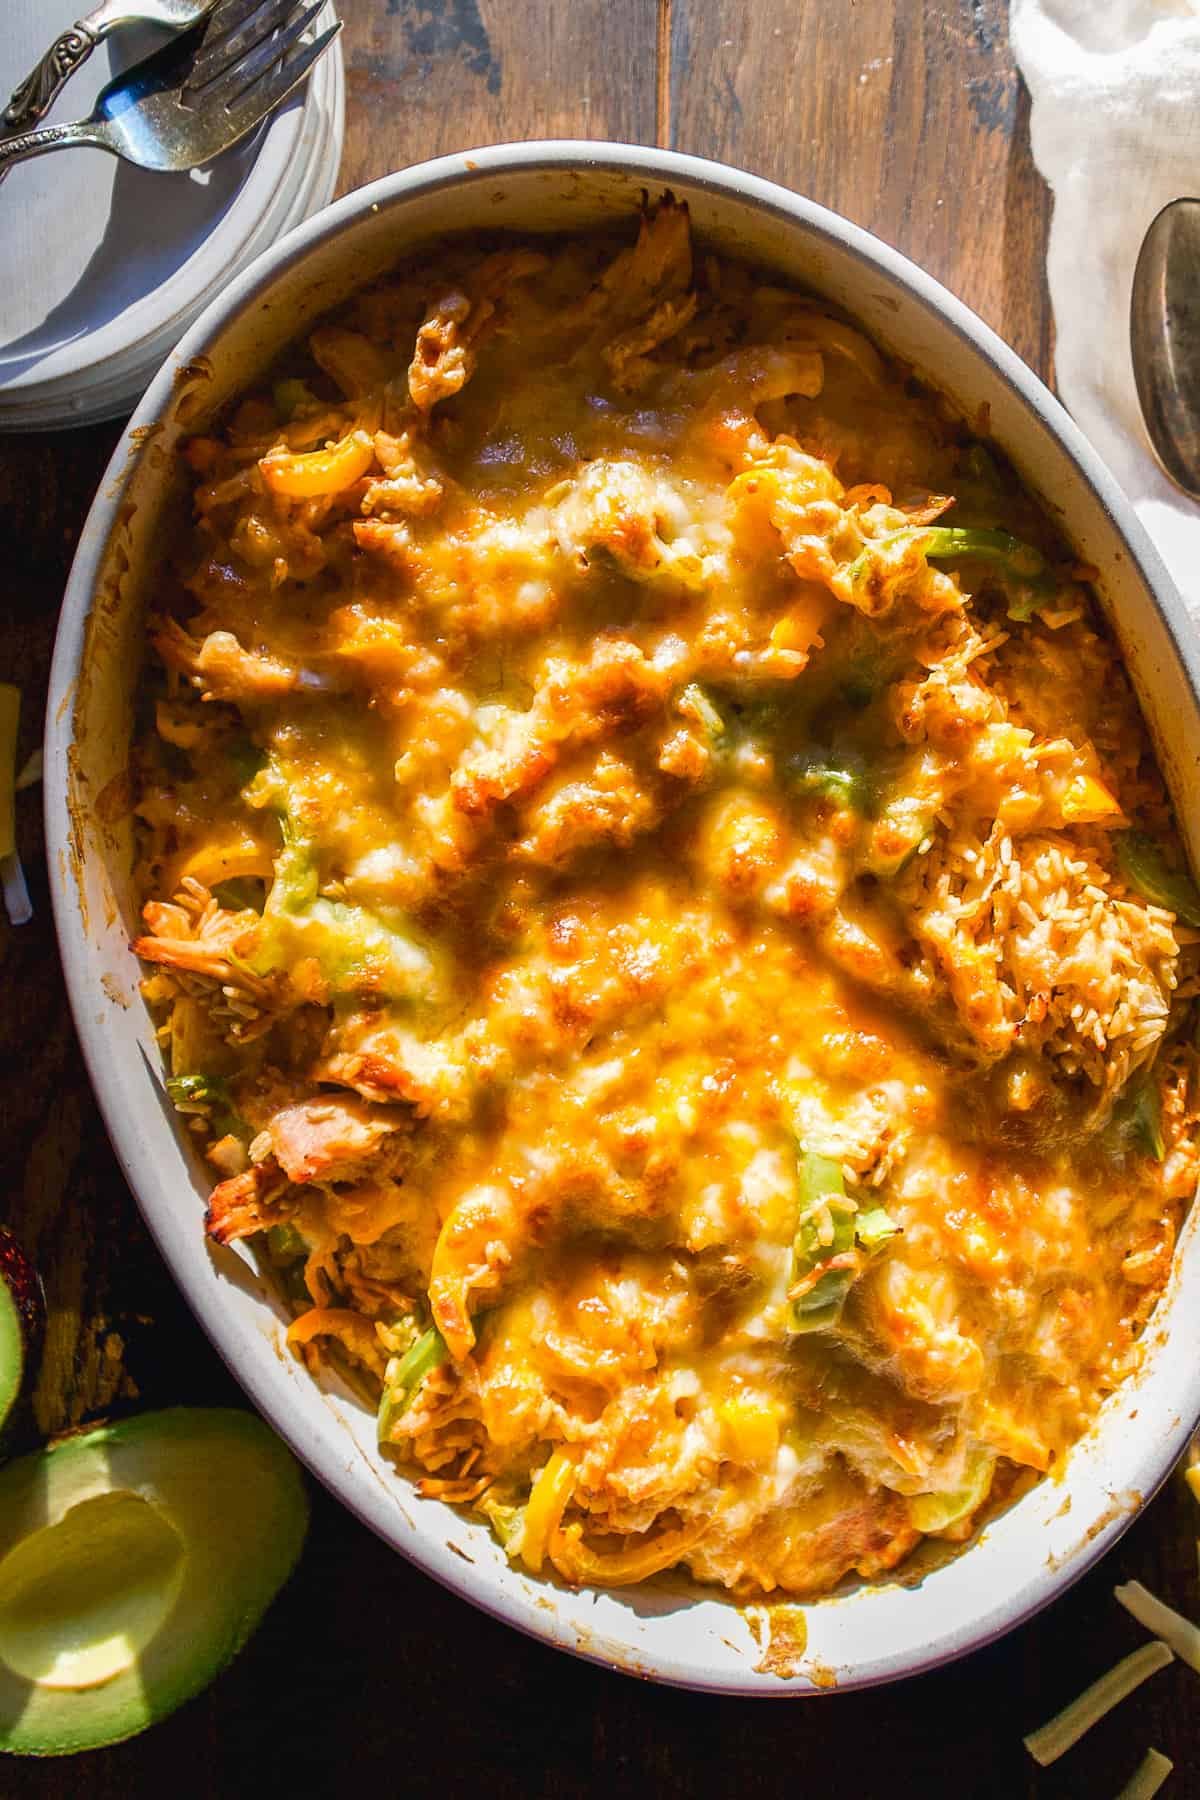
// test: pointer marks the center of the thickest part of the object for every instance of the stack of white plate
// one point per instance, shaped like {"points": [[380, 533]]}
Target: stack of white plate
{"points": [[102, 265]]}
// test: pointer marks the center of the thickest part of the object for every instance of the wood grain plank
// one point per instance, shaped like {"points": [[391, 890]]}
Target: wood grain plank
{"points": [[428, 76], [907, 116], [62, 1189]]}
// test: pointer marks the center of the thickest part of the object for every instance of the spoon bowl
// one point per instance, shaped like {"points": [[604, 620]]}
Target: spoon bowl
{"points": [[1164, 336]]}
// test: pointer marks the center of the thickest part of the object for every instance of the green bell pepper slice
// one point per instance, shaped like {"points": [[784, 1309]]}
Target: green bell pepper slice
{"points": [[1142, 862], [824, 1234], [403, 1378]]}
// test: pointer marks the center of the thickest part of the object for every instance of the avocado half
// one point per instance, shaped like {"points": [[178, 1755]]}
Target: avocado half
{"points": [[135, 1561], [21, 1315]]}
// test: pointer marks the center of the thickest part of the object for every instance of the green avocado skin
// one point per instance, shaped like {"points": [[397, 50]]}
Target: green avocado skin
{"points": [[235, 1496], [12, 1352], [21, 1315]]}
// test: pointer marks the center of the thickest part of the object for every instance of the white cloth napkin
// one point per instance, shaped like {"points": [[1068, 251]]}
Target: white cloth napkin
{"points": [[1116, 133]]}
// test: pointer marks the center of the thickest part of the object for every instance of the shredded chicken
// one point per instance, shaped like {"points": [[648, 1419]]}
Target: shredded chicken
{"points": [[660, 907]]}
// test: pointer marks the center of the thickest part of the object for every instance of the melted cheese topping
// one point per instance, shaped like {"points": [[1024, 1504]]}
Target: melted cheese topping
{"points": [[639, 917]]}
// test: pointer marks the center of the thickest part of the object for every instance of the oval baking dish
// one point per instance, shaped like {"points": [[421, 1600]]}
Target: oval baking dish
{"points": [[668, 1631]]}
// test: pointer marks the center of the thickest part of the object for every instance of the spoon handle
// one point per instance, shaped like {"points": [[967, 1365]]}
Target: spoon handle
{"points": [[36, 93], [51, 137]]}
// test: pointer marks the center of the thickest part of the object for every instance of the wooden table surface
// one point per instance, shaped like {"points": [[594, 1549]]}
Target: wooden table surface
{"points": [[907, 116]]}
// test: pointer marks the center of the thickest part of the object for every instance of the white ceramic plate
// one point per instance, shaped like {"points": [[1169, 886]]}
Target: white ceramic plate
{"points": [[105, 265], [669, 1631]]}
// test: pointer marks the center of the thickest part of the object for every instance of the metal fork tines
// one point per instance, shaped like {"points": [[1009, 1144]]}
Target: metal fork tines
{"points": [[270, 89], [239, 48], [234, 27], [158, 115]]}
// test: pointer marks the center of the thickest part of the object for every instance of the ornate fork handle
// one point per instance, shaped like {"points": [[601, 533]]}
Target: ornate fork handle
{"points": [[35, 94], [50, 137]]}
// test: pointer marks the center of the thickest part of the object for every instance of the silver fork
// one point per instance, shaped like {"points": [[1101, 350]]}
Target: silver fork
{"points": [[33, 99], [196, 96]]}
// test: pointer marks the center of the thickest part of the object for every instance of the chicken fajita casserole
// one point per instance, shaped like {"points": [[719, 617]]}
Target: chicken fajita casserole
{"points": [[663, 916]]}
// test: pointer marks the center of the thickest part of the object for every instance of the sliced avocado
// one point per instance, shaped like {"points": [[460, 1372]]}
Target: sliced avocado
{"points": [[21, 1315], [12, 1351], [135, 1561]]}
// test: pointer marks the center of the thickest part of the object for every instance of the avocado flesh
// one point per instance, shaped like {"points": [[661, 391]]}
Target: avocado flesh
{"points": [[135, 1561]]}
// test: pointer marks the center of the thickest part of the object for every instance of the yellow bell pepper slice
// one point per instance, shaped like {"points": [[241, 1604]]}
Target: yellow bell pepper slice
{"points": [[230, 854], [800, 627], [576, 1563], [313, 474], [750, 1428], [356, 1334], [546, 1506], [1019, 1443], [1087, 801]]}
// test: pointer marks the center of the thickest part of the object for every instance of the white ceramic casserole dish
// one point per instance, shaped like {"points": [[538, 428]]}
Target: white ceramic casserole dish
{"points": [[670, 1630]]}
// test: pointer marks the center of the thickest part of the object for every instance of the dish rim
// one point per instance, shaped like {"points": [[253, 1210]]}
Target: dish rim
{"points": [[656, 168]]}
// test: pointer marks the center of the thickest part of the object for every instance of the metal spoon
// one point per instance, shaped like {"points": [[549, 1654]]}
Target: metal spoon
{"points": [[1164, 335]]}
